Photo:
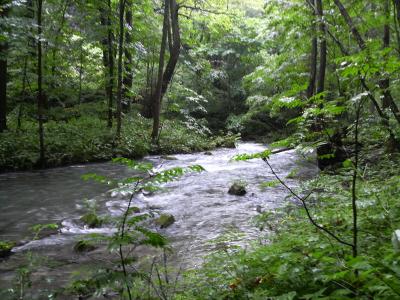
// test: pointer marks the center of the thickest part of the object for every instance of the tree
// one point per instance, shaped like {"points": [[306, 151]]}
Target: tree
{"points": [[40, 100], [385, 82], [108, 57], [322, 47], [313, 56], [170, 23], [363, 46], [3, 69], [128, 71], [122, 4], [157, 93]]}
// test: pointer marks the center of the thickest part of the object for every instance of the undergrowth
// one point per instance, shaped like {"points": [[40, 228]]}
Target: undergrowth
{"points": [[299, 261]]}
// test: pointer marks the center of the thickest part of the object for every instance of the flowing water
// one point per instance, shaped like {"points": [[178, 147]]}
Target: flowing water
{"points": [[199, 202]]}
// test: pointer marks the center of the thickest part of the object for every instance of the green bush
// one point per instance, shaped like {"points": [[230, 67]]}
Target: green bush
{"points": [[87, 139], [300, 262]]}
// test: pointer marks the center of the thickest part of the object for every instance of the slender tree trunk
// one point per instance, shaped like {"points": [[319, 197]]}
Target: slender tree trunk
{"points": [[128, 73], [108, 58], [158, 91], [56, 44], [80, 74], [3, 75], [350, 23], [385, 83], [23, 94], [397, 9], [120, 70], [313, 59], [322, 47], [175, 49], [396, 21], [3, 87], [110, 67], [41, 104], [354, 181]]}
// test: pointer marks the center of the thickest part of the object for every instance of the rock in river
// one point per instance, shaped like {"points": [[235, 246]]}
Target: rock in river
{"points": [[91, 220], [5, 248], [84, 246], [237, 189], [165, 220]]}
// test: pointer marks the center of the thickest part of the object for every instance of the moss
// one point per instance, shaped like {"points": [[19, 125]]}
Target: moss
{"points": [[84, 246], [91, 220], [5, 248], [165, 220]]}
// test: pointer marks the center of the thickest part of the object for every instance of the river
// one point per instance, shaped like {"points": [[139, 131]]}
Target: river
{"points": [[200, 203]]}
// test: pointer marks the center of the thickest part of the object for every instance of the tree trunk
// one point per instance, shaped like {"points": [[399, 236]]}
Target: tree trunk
{"points": [[56, 43], [350, 23], [313, 59], [120, 54], [158, 91], [385, 83], [3, 76], [41, 104], [396, 16], [3, 87], [108, 58], [80, 74], [128, 73], [175, 49], [23, 93], [322, 49]]}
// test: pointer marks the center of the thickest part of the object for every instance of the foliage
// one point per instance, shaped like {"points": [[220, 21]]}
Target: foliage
{"points": [[87, 139], [6, 246], [299, 263]]}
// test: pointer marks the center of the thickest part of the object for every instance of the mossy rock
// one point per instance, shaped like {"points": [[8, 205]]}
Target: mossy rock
{"points": [[48, 231], [84, 246], [165, 220], [237, 189], [134, 210], [5, 248], [91, 220]]}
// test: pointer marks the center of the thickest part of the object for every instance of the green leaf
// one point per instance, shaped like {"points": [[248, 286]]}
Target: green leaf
{"points": [[348, 163], [243, 157]]}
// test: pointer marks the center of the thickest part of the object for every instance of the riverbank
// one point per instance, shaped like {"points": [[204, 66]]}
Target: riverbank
{"points": [[87, 139], [301, 261]]}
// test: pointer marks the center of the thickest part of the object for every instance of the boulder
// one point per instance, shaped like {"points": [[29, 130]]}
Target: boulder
{"points": [[208, 153], [237, 189], [166, 157], [134, 210], [91, 220], [48, 231], [84, 246], [5, 248], [165, 220]]}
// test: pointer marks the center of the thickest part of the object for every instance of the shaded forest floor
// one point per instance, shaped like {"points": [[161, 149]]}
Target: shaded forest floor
{"points": [[86, 138]]}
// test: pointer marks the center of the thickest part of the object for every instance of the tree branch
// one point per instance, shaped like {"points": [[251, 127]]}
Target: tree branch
{"points": [[215, 12], [303, 201]]}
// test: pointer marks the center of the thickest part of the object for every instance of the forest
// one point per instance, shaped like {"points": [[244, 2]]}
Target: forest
{"points": [[199, 149]]}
